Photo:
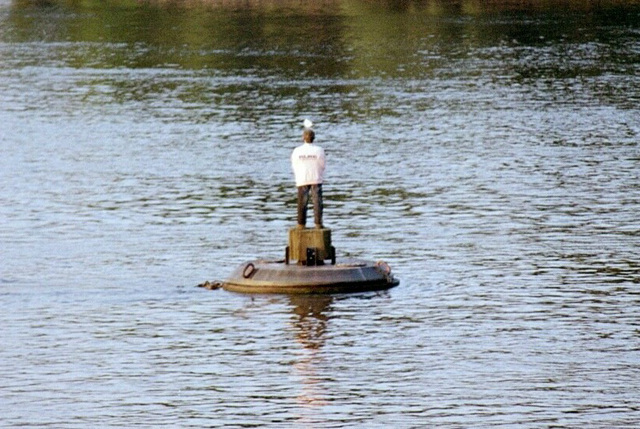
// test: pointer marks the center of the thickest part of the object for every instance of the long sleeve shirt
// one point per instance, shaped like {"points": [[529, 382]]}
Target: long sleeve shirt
{"points": [[308, 162]]}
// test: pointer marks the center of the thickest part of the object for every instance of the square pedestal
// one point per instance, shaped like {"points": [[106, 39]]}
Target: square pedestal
{"points": [[318, 239]]}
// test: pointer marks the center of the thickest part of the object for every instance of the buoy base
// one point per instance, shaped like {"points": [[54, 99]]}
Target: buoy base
{"points": [[278, 277]]}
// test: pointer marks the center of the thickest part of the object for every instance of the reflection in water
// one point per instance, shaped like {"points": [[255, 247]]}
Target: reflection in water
{"points": [[311, 323], [310, 327], [241, 54]]}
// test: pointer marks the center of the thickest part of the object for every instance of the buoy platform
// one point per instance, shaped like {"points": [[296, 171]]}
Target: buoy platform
{"points": [[310, 266]]}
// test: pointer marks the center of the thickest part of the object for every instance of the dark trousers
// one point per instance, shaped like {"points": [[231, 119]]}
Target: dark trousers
{"points": [[303, 201]]}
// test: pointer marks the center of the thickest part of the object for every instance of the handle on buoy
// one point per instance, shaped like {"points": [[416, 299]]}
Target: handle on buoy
{"points": [[248, 270]]}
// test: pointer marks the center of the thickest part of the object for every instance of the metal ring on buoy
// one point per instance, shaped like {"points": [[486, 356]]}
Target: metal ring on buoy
{"points": [[382, 265], [248, 270]]}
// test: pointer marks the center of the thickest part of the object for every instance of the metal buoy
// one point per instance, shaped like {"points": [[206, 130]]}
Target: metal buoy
{"points": [[310, 267]]}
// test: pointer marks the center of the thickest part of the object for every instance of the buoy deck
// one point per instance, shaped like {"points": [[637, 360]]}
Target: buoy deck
{"points": [[278, 277]]}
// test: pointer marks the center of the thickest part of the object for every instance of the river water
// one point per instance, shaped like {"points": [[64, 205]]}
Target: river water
{"points": [[488, 151]]}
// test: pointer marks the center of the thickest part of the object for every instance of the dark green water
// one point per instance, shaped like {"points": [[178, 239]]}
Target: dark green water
{"points": [[488, 153]]}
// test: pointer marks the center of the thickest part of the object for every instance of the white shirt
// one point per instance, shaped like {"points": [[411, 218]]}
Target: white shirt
{"points": [[308, 162]]}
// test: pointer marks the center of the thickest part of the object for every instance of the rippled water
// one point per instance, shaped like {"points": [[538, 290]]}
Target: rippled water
{"points": [[488, 153]]}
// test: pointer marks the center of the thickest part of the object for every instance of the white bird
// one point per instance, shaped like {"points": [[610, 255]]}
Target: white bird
{"points": [[307, 123]]}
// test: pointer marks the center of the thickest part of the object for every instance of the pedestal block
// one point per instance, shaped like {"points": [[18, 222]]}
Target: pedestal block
{"points": [[310, 246]]}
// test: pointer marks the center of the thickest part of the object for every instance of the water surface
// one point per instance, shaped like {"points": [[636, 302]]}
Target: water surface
{"points": [[488, 153]]}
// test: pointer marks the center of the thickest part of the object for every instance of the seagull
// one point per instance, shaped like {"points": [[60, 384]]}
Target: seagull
{"points": [[307, 123]]}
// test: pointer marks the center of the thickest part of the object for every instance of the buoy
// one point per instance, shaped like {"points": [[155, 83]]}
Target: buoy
{"points": [[310, 266]]}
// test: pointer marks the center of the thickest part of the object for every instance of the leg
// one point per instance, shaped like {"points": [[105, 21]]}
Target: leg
{"points": [[317, 205], [303, 201]]}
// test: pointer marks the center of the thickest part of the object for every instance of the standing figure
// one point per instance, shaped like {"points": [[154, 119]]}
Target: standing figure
{"points": [[308, 162]]}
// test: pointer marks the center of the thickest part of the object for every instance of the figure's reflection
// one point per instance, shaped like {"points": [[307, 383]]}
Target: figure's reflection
{"points": [[310, 323]]}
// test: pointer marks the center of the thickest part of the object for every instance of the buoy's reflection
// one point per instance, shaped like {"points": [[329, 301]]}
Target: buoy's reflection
{"points": [[310, 325], [311, 321]]}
